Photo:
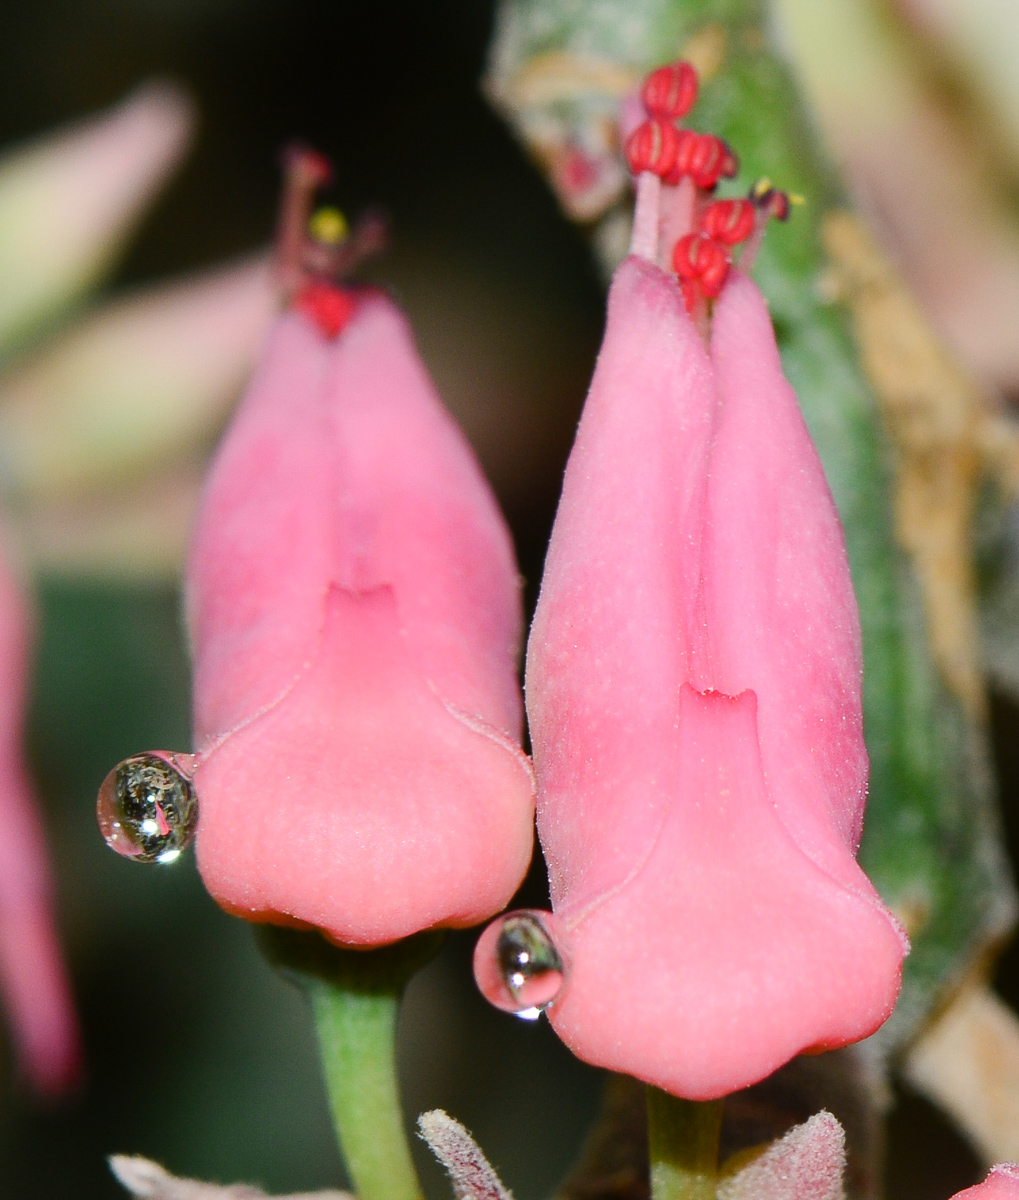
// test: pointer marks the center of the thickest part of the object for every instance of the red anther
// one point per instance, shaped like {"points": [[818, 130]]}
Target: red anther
{"points": [[652, 147], [314, 168], [716, 271], [329, 306], [730, 161], [729, 221], [686, 255], [670, 91], [579, 171], [697, 257], [777, 205], [686, 147], [709, 160]]}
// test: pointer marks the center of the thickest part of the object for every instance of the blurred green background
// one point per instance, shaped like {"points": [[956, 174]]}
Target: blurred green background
{"points": [[197, 1055]]}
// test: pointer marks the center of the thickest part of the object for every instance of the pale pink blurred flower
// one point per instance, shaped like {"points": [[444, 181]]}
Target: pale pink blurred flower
{"points": [[33, 983]]}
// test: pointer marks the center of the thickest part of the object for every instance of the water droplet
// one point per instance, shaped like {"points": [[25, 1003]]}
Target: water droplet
{"points": [[147, 807], [517, 964]]}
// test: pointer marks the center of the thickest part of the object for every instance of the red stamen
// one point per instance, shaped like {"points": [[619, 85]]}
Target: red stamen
{"points": [[313, 170], [652, 147], [704, 157], [686, 147], [729, 221], [699, 258], [670, 91], [328, 305], [730, 161], [715, 273], [710, 159], [770, 202]]}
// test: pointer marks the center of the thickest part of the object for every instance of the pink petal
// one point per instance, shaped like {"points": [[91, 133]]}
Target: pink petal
{"points": [[780, 614], [355, 615], [694, 693], [1002, 1183], [726, 952], [611, 640]]}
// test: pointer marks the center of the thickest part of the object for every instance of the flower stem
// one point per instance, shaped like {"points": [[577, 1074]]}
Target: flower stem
{"points": [[683, 1142], [355, 1000]]}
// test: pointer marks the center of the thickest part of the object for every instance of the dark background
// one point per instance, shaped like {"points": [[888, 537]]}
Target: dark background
{"points": [[197, 1055]]}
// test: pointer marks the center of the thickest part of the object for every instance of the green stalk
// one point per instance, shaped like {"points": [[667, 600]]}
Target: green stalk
{"points": [[355, 1001], [683, 1143]]}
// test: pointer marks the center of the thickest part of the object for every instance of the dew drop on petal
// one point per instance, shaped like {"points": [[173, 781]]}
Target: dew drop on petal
{"points": [[518, 965], [147, 807]]}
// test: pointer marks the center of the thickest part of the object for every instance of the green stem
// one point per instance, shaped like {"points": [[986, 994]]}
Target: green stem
{"points": [[355, 1000], [357, 1041], [683, 1143]]}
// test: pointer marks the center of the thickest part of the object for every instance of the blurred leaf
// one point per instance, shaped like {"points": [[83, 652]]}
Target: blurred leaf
{"points": [[70, 200], [135, 385]]}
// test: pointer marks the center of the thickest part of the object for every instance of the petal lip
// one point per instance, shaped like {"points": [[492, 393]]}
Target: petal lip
{"points": [[360, 803], [730, 951], [616, 619]]}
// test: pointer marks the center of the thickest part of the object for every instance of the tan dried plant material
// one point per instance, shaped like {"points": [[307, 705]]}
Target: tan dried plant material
{"points": [[967, 1063], [564, 106], [947, 436], [149, 1181]]}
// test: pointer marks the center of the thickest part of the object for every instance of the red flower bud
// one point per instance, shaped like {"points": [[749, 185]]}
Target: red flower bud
{"points": [[670, 91], [652, 147], [729, 221]]}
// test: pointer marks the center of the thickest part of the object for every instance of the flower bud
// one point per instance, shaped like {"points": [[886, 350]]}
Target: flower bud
{"points": [[694, 692], [354, 610]]}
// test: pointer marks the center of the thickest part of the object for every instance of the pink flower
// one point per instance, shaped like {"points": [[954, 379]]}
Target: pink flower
{"points": [[33, 982], [694, 693], [1002, 1183], [354, 610]]}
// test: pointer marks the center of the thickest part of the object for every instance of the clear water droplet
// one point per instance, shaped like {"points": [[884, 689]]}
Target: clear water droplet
{"points": [[518, 965], [147, 807]]}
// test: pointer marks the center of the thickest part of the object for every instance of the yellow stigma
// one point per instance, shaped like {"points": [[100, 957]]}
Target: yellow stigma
{"points": [[328, 225]]}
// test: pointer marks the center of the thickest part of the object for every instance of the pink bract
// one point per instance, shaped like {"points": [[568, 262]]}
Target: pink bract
{"points": [[694, 692], [354, 609]]}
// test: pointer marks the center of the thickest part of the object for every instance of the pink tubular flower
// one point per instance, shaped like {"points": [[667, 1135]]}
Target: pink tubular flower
{"points": [[693, 687], [33, 982], [1002, 1183], [354, 610]]}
